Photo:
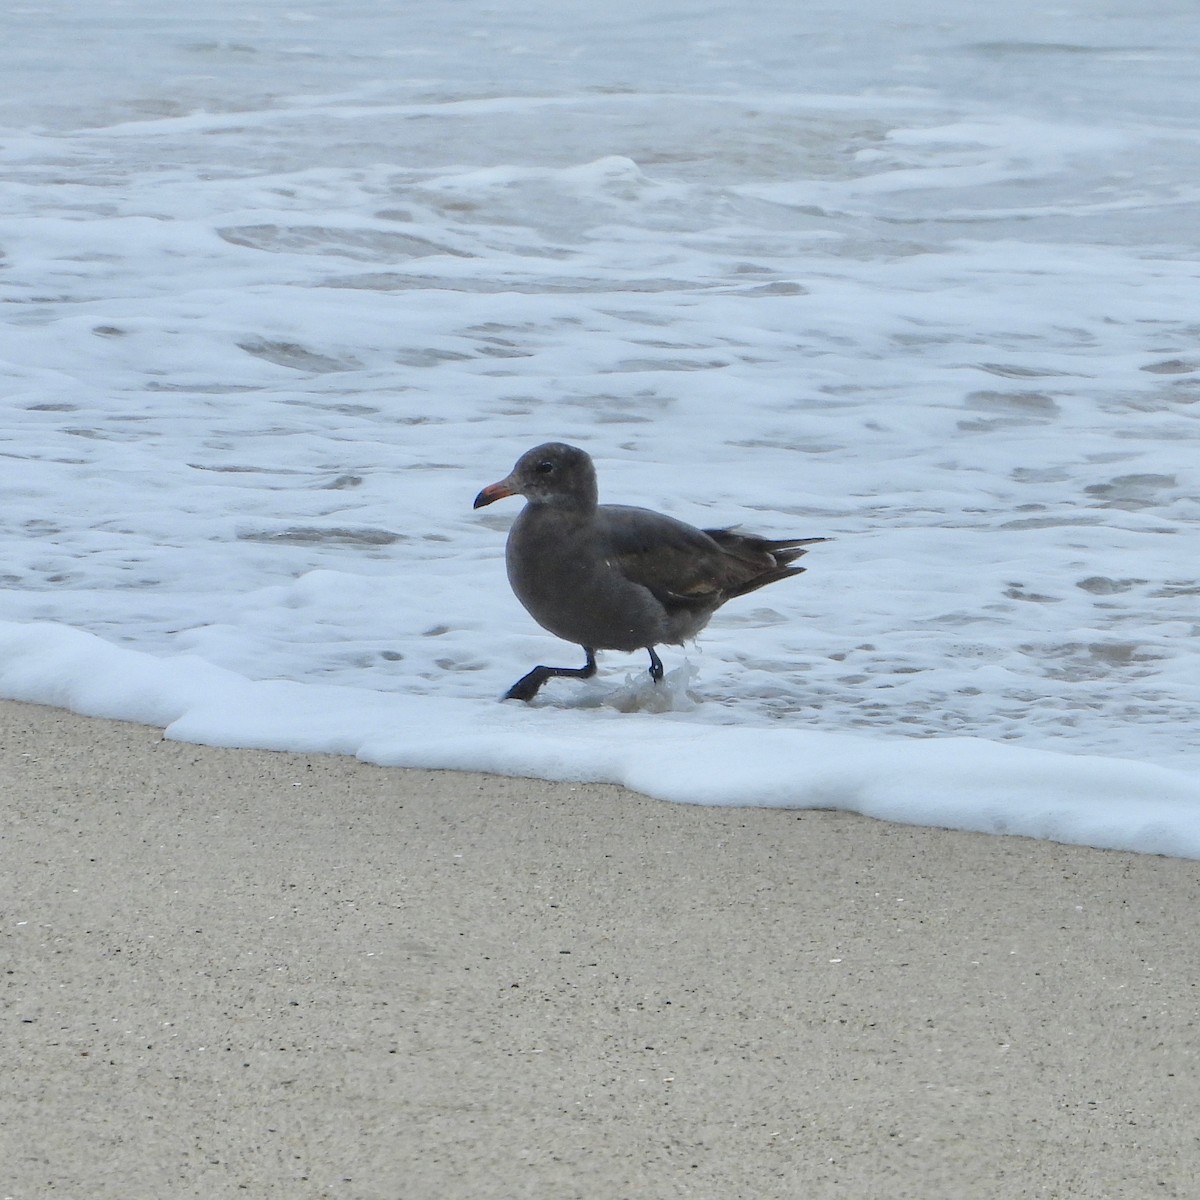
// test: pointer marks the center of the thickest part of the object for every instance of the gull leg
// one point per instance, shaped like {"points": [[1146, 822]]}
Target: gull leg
{"points": [[527, 686], [656, 667]]}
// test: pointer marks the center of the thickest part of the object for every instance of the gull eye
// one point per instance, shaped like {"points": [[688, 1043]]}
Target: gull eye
{"points": [[545, 467]]}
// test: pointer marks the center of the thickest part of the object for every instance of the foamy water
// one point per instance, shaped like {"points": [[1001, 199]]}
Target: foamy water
{"points": [[284, 288]]}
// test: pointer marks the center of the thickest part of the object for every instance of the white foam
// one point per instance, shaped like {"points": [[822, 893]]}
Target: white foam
{"points": [[963, 783]]}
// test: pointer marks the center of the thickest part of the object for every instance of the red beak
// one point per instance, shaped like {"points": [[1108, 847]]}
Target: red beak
{"points": [[493, 492]]}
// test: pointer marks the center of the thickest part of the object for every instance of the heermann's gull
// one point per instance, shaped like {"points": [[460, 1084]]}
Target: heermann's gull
{"points": [[611, 577]]}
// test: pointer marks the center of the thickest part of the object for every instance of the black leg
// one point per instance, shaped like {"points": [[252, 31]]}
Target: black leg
{"points": [[527, 686], [656, 667]]}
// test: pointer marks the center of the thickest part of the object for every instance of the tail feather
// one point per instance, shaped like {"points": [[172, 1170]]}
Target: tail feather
{"points": [[786, 550], [767, 559], [757, 581], [754, 548]]}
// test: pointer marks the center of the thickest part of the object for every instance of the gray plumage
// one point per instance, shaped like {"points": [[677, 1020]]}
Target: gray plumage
{"points": [[612, 577]]}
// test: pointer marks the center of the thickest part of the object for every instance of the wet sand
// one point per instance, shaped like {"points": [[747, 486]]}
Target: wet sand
{"points": [[239, 973]]}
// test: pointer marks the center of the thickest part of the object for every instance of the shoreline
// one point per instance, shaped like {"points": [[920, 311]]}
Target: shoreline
{"points": [[240, 972]]}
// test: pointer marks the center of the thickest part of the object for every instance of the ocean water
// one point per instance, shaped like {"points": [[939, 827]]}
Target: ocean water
{"points": [[284, 285]]}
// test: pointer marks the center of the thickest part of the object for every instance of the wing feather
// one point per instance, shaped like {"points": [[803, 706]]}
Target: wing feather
{"points": [[693, 568]]}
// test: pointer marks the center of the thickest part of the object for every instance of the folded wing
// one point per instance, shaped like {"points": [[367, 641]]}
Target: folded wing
{"points": [[693, 568]]}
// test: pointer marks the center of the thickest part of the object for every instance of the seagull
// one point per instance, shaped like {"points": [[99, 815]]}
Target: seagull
{"points": [[613, 577]]}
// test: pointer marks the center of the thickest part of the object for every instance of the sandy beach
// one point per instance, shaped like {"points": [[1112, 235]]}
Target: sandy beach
{"points": [[241, 973]]}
